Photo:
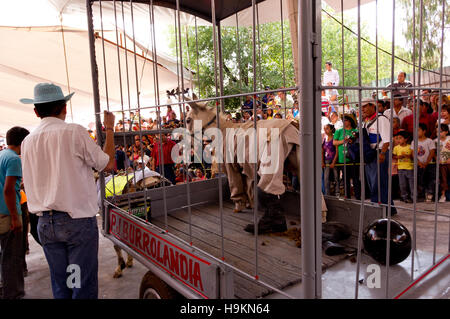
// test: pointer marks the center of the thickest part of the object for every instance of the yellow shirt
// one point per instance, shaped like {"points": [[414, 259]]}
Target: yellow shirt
{"points": [[404, 163]]}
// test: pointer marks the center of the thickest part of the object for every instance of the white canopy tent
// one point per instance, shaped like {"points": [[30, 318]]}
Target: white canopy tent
{"points": [[38, 47], [47, 41]]}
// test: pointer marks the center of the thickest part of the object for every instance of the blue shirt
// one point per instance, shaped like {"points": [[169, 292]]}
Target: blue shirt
{"points": [[248, 105], [10, 165]]}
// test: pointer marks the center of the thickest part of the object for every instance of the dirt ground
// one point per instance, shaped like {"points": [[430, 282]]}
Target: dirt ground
{"points": [[425, 225], [38, 286], [37, 283]]}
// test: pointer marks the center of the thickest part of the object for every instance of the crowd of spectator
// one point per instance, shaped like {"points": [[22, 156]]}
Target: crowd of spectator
{"points": [[340, 136], [341, 144], [384, 129], [145, 147]]}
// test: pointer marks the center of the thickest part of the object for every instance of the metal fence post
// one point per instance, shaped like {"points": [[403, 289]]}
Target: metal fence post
{"points": [[309, 125]]}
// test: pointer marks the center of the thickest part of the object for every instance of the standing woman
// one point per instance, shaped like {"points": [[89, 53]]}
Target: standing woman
{"points": [[342, 139]]}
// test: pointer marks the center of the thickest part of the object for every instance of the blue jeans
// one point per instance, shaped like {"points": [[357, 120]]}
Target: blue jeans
{"points": [[371, 172], [11, 259], [168, 172], [326, 178], [426, 180], [406, 180], [350, 172], [67, 241]]}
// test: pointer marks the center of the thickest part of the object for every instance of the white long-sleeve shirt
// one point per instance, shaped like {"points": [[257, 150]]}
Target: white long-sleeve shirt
{"points": [[57, 162], [331, 76]]}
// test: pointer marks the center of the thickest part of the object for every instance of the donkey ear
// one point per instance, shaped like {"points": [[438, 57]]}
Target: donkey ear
{"points": [[197, 107], [194, 106]]}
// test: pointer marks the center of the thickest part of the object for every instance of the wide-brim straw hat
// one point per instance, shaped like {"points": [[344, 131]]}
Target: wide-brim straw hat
{"points": [[46, 93], [351, 117]]}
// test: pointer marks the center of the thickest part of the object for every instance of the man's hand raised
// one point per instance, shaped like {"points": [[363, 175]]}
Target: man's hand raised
{"points": [[108, 120]]}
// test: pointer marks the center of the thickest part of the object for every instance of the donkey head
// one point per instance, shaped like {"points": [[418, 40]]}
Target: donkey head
{"points": [[200, 112]]}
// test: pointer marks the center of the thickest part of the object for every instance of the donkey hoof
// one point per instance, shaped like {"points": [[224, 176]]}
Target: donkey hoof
{"points": [[129, 263], [238, 207]]}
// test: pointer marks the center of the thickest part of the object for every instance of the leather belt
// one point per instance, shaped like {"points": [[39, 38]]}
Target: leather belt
{"points": [[52, 212]]}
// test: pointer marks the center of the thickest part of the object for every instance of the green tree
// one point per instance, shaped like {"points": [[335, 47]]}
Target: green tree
{"points": [[238, 71], [371, 65], [431, 30]]}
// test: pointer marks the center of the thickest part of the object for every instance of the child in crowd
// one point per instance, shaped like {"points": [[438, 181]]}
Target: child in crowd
{"points": [[329, 158], [395, 126], [426, 173], [444, 159], [445, 116], [199, 175], [395, 182], [403, 153], [296, 112]]}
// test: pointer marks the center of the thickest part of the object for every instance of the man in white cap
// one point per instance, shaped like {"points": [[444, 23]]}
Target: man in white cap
{"points": [[378, 132], [58, 158]]}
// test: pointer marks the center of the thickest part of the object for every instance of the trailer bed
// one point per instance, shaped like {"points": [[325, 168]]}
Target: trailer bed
{"points": [[279, 258]]}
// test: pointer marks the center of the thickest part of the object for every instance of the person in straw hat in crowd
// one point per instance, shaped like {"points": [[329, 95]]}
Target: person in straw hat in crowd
{"points": [[377, 130], [341, 139], [58, 158]]}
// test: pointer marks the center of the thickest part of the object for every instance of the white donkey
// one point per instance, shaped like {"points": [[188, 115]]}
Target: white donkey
{"points": [[283, 149]]}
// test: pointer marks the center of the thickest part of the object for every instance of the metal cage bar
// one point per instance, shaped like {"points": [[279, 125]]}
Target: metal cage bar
{"points": [[309, 88]]}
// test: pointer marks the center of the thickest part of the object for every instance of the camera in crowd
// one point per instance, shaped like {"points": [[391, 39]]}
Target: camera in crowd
{"points": [[352, 138]]}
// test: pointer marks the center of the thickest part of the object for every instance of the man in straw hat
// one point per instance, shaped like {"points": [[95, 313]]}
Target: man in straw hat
{"points": [[58, 158]]}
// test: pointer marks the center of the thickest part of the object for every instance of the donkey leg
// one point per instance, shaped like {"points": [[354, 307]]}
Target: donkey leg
{"points": [[129, 263], [120, 262], [273, 219], [237, 188]]}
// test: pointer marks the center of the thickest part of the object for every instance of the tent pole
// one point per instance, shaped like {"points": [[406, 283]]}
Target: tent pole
{"points": [[96, 96], [65, 62]]}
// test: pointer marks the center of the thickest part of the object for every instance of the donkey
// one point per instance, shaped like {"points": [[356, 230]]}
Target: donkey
{"points": [[241, 175]]}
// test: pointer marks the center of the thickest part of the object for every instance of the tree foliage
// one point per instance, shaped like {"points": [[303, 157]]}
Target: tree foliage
{"points": [[371, 64], [239, 74], [431, 30], [238, 70]]}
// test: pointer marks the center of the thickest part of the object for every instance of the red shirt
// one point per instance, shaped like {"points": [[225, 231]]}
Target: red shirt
{"points": [[425, 118], [435, 116], [167, 150], [325, 105]]}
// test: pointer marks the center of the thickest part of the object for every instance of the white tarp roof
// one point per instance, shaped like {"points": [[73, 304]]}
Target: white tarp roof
{"points": [[32, 51], [270, 10]]}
